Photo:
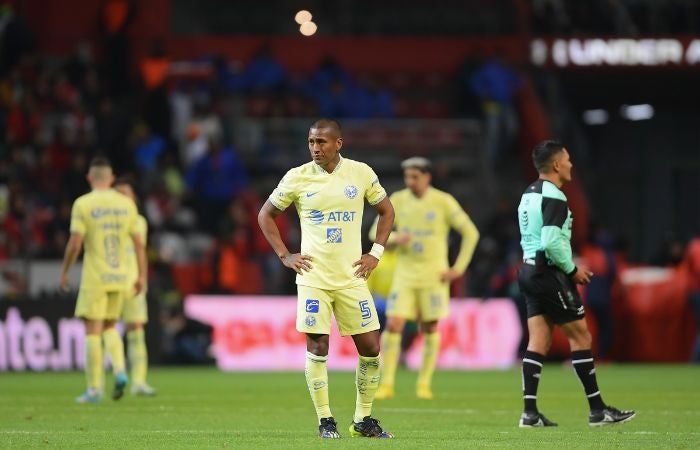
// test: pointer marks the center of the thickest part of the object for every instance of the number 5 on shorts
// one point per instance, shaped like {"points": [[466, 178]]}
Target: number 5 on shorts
{"points": [[365, 309]]}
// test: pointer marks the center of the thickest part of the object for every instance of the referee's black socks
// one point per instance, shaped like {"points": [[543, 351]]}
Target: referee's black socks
{"points": [[532, 367], [582, 361]]}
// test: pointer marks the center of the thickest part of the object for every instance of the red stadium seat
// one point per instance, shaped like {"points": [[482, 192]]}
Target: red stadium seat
{"points": [[186, 278]]}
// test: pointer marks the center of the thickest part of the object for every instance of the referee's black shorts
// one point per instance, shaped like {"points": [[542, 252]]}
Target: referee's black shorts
{"points": [[548, 290]]}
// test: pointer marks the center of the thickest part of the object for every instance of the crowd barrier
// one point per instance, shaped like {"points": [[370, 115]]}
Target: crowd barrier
{"points": [[652, 317]]}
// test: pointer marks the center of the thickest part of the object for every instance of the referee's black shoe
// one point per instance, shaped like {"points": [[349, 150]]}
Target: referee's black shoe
{"points": [[534, 419], [609, 416], [328, 429]]}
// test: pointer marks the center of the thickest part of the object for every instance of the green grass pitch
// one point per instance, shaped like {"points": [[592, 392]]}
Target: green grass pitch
{"points": [[204, 408]]}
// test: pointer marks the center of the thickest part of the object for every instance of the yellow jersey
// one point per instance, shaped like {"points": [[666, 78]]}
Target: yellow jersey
{"points": [[382, 277], [106, 219], [132, 263], [330, 207], [428, 221]]}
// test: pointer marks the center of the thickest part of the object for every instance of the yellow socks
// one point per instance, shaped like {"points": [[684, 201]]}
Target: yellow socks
{"points": [[367, 382], [94, 362], [138, 356], [317, 381], [114, 346], [431, 350], [391, 350]]}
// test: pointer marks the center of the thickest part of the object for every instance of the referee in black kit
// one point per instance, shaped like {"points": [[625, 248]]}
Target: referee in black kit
{"points": [[548, 281]]}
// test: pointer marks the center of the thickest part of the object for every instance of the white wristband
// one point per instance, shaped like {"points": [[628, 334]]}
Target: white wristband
{"points": [[377, 250]]}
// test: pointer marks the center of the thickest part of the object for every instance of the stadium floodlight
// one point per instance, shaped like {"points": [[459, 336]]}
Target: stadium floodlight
{"points": [[595, 117], [302, 16], [637, 112], [308, 28]]}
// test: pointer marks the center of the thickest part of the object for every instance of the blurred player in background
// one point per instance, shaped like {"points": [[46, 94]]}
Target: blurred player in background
{"points": [[105, 221], [421, 285], [379, 281], [135, 313], [329, 195], [548, 280]]}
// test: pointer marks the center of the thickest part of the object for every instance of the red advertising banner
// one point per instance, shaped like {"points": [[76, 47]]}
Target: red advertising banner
{"points": [[259, 333]]}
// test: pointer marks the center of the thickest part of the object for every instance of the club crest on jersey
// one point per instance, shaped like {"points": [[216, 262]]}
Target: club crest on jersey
{"points": [[430, 216], [334, 235], [310, 321], [351, 191]]}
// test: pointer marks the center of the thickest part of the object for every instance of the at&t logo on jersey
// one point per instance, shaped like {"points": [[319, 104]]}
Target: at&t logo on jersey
{"points": [[334, 235], [317, 217], [350, 191], [96, 213]]}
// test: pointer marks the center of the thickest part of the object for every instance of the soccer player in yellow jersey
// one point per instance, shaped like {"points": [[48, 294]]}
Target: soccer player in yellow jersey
{"points": [[105, 222], [135, 313], [421, 286], [329, 194], [380, 280]]}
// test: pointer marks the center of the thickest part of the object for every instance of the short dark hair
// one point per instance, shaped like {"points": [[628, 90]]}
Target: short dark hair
{"points": [[417, 162], [328, 123], [100, 161], [543, 152], [127, 180]]}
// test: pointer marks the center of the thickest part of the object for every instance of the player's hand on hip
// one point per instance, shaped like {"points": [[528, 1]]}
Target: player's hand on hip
{"points": [[139, 285], [582, 275], [403, 238], [450, 275], [63, 283], [365, 265], [298, 262]]}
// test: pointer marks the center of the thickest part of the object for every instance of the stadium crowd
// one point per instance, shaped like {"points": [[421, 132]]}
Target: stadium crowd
{"points": [[174, 136]]}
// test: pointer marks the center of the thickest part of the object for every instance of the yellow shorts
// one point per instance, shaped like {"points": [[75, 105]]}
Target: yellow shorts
{"points": [[135, 309], [425, 304], [98, 304], [353, 309]]}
